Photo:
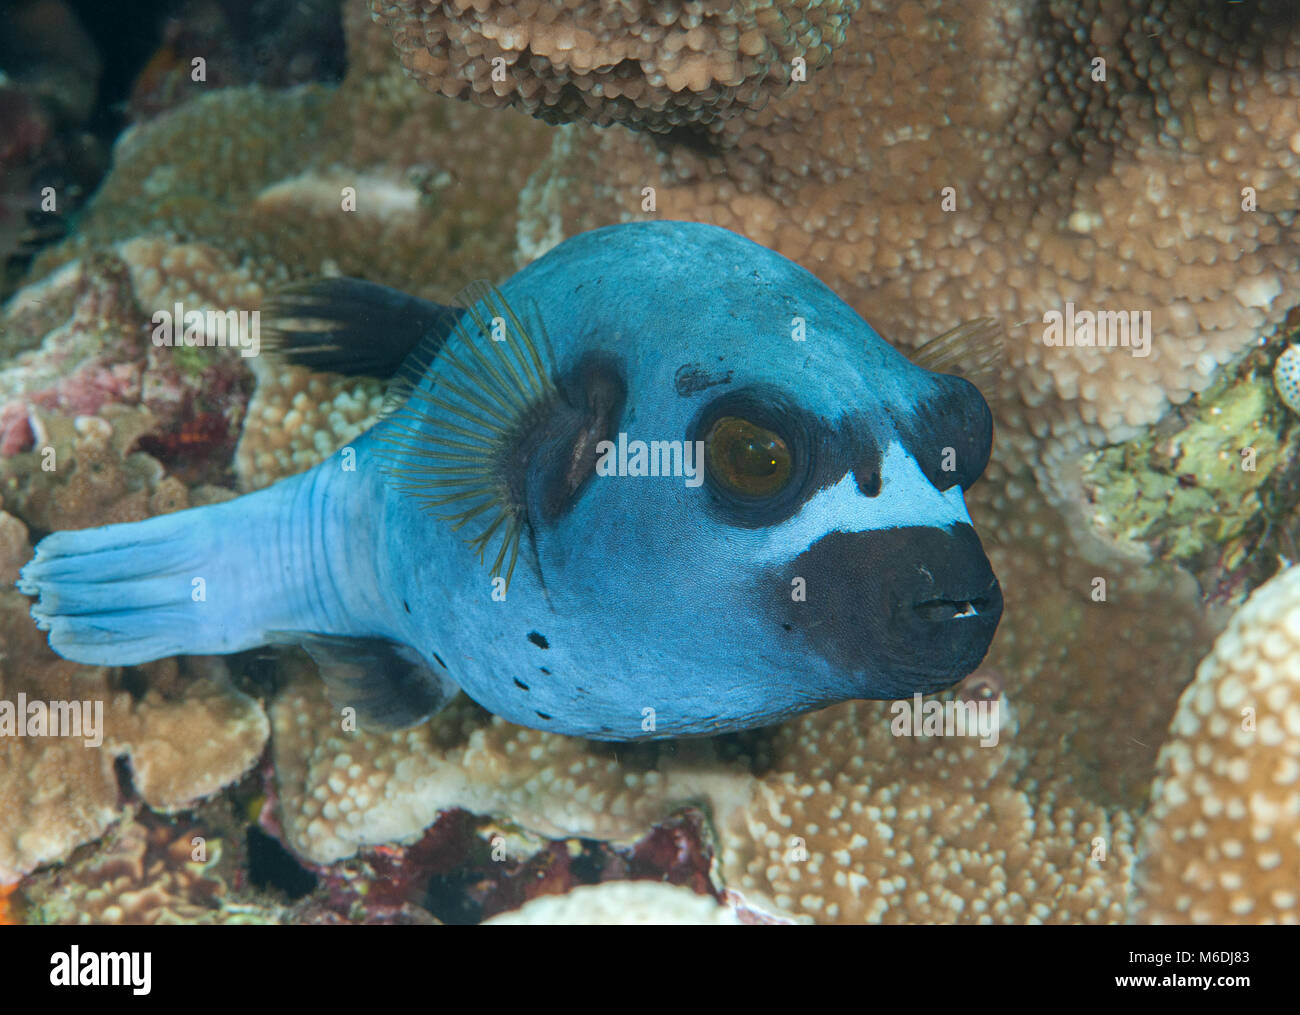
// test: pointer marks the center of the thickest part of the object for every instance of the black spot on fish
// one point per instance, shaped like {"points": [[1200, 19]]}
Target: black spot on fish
{"points": [[543, 715], [407, 605], [440, 662], [520, 684], [691, 379], [788, 627], [544, 670], [538, 640]]}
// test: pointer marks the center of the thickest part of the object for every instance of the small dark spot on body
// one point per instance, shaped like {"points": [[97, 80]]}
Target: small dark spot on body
{"points": [[788, 627], [544, 670], [519, 683], [407, 605], [440, 662], [691, 379], [538, 639], [543, 715]]}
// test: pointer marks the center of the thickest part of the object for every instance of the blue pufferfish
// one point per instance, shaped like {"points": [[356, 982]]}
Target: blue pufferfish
{"points": [[484, 535]]}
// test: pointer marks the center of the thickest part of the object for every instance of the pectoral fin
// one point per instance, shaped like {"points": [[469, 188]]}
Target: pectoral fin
{"points": [[389, 684]]}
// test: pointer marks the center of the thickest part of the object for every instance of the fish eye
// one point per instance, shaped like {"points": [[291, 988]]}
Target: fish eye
{"points": [[762, 455], [747, 459]]}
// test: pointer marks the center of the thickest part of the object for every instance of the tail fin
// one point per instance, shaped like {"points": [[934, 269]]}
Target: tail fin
{"points": [[206, 581], [121, 594]]}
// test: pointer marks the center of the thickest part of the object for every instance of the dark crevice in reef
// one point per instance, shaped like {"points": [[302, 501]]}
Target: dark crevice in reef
{"points": [[271, 867]]}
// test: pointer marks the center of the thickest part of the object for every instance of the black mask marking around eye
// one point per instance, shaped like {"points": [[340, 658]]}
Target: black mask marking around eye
{"points": [[754, 422]]}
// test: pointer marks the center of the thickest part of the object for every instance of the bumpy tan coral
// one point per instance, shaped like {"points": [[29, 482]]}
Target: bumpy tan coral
{"points": [[1222, 842], [647, 64], [340, 790], [845, 823], [621, 903], [855, 824]]}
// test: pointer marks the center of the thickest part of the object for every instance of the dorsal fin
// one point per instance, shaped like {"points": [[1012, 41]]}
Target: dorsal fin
{"points": [[352, 327], [973, 350]]}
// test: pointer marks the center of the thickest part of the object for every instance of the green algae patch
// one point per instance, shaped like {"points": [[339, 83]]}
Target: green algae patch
{"points": [[1215, 485], [1195, 488]]}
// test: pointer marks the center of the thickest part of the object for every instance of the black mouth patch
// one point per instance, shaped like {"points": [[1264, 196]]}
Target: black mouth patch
{"points": [[912, 609]]}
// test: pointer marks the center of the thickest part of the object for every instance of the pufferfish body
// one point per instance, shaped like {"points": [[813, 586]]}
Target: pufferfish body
{"points": [[663, 482]]}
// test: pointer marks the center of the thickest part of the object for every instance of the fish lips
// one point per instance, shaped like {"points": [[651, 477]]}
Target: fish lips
{"points": [[904, 610]]}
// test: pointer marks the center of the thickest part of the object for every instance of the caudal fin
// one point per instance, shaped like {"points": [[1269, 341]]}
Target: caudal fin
{"points": [[206, 581], [120, 594]]}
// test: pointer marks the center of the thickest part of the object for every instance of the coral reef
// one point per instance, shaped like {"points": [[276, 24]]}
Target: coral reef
{"points": [[829, 816], [1120, 193], [208, 206], [1222, 841], [187, 733], [147, 872], [215, 193]]}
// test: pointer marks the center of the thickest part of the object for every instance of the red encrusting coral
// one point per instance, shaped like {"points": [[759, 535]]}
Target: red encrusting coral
{"points": [[463, 870]]}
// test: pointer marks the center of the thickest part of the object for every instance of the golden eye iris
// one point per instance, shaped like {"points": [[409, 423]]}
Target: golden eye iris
{"points": [[746, 458]]}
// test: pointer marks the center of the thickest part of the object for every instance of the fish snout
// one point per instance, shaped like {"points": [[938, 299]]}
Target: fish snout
{"points": [[911, 609]]}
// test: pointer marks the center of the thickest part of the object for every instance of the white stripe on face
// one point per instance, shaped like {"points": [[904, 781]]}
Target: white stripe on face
{"points": [[906, 498]]}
